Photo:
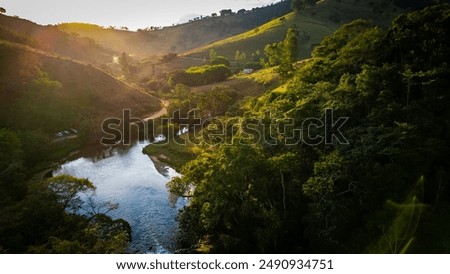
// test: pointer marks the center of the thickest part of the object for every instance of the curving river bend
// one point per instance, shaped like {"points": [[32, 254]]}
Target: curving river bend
{"points": [[126, 176]]}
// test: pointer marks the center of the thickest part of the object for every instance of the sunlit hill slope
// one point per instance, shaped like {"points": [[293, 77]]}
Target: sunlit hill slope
{"points": [[313, 24], [179, 38], [45, 90]]}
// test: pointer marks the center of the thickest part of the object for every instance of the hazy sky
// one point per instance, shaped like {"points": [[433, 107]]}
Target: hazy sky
{"points": [[132, 13]]}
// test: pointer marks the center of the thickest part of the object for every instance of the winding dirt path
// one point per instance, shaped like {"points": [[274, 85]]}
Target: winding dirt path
{"points": [[161, 112]]}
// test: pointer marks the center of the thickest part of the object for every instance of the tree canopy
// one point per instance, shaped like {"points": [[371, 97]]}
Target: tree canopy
{"points": [[264, 192]]}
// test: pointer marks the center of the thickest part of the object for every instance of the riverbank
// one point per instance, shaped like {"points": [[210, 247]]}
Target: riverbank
{"points": [[173, 153], [61, 152]]}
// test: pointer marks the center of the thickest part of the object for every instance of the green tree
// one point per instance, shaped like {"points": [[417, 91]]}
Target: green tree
{"points": [[12, 173], [2, 10], [283, 54], [272, 53], [240, 57], [290, 46], [124, 64], [220, 60], [67, 190], [217, 101], [212, 54], [298, 5]]}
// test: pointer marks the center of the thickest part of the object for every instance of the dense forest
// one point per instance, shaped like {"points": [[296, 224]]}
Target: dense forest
{"points": [[378, 183]]}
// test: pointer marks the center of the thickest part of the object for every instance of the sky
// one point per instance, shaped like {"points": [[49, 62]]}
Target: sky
{"points": [[133, 14]]}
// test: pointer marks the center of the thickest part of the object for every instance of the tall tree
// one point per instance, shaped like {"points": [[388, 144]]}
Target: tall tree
{"points": [[290, 46], [289, 53]]}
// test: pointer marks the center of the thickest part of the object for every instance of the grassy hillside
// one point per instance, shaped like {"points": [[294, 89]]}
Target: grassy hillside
{"points": [[313, 23], [43, 91], [178, 38]]}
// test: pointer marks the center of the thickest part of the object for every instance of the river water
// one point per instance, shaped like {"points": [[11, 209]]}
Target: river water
{"points": [[126, 176]]}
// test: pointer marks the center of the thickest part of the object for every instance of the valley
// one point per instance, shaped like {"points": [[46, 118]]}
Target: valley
{"points": [[242, 150]]}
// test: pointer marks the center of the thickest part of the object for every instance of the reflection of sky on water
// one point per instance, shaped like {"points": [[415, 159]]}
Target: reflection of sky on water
{"points": [[129, 177]]}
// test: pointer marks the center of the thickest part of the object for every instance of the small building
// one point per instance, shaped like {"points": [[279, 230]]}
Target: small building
{"points": [[248, 71]]}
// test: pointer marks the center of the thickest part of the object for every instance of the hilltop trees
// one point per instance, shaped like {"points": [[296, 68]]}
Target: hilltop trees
{"points": [[298, 5], [226, 12], [2, 10]]}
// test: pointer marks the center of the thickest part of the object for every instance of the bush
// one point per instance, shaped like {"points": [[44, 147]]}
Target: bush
{"points": [[197, 76], [220, 60]]}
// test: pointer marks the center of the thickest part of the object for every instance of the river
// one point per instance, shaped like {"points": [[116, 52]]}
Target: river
{"points": [[126, 176]]}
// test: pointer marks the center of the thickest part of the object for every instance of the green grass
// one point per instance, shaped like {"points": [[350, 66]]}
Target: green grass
{"points": [[173, 153], [266, 77]]}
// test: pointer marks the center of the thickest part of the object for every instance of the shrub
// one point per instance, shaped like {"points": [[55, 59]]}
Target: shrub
{"points": [[197, 76]]}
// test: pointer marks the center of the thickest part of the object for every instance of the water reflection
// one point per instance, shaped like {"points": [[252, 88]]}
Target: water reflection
{"points": [[126, 176]]}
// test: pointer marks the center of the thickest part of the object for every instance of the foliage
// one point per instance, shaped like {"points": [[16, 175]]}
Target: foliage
{"points": [[56, 215], [261, 192], [12, 173], [45, 221], [220, 60], [197, 76], [299, 5], [240, 58], [283, 54], [399, 236]]}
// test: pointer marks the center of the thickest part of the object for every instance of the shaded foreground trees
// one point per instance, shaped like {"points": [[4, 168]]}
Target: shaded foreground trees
{"points": [[56, 215]]}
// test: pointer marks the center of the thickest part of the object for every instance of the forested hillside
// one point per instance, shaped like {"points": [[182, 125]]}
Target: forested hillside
{"points": [[356, 159]]}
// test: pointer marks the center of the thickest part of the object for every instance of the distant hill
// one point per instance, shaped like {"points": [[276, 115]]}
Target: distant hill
{"points": [[313, 24], [51, 39], [417, 4], [182, 37]]}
